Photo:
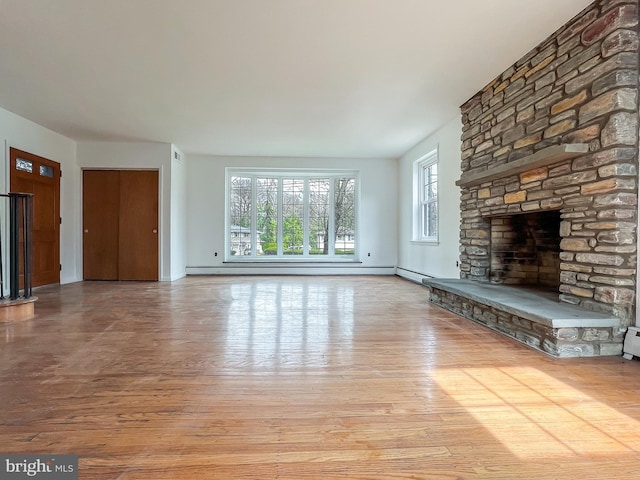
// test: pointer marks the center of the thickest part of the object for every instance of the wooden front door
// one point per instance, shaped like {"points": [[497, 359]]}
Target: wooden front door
{"points": [[120, 224], [40, 176]]}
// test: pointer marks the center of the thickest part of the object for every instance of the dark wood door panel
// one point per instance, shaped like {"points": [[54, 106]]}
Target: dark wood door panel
{"points": [[138, 225], [100, 212]]}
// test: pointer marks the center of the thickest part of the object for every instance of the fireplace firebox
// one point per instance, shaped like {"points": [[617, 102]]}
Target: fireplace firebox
{"points": [[525, 250]]}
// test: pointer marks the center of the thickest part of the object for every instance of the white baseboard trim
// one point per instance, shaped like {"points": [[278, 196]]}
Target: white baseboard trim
{"points": [[411, 275], [290, 270]]}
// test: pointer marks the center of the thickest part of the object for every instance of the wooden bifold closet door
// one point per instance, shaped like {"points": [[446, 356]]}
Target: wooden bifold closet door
{"points": [[120, 224]]}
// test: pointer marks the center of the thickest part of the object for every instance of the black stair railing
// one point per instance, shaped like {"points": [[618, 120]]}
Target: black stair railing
{"points": [[20, 246]]}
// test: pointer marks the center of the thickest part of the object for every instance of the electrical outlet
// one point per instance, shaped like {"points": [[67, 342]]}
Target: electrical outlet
{"points": [[215, 254], [369, 254]]}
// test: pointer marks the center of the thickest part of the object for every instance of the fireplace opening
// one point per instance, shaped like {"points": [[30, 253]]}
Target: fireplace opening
{"points": [[525, 250]]}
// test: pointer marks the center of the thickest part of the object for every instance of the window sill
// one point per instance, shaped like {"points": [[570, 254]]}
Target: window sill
{"points": [[287, 261], [425, 242]]}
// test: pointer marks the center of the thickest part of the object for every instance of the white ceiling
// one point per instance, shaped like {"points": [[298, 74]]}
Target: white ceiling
{"points": [[321, 78]]}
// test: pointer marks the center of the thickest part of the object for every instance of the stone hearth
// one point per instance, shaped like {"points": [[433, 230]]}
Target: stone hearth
{"points": [[531, 316]]}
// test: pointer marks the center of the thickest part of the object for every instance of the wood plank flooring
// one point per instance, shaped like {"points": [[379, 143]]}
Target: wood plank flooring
{"points": [[290, 377]]}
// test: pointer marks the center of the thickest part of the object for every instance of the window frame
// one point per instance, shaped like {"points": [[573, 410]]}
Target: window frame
{"points": [[421, 204], [281, 174]]}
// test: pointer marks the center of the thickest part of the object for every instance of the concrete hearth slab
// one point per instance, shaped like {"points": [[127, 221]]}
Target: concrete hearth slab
{"points": [[540, 307]]}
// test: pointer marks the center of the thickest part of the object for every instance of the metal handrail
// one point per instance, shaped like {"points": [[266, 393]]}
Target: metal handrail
{"points": [[20, 215]]}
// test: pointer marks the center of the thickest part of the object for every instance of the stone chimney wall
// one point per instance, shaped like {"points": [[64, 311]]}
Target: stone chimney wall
{"points": [[578, 86]]}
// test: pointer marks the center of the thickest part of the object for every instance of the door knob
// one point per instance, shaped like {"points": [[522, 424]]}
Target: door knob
{"points": [[155, 230], [86, 230]]}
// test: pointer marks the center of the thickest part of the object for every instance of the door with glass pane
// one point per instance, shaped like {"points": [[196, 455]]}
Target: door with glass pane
{"points": [[40, 176]]}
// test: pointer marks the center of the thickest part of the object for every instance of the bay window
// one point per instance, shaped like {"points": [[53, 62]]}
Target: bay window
{"points": [[279, 215]]}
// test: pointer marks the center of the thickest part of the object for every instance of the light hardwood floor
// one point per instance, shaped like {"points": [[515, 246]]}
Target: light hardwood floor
{"points": [[302, 378]]}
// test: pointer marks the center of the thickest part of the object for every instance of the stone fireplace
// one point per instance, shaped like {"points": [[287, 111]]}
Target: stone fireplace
{"points": [[549, 187]]}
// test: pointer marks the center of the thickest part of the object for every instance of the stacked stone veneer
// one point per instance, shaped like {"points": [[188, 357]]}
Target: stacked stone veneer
{"points": [[579, 86]]}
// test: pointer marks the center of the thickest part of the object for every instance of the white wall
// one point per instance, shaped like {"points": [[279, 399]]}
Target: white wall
{"points": [[178, 220], [417, 260], [153, 156], [192, 201], [206, 214], [23, 134]]}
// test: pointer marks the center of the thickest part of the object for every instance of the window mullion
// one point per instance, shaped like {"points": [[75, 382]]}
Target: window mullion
{"points": [[279, 229], [423, 231], [332, 221], [305, 220], [254, 215]]}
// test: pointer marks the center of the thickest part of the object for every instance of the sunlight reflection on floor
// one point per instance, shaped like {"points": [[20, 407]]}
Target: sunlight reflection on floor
{"points": [[278, 324], [534, 415]]}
